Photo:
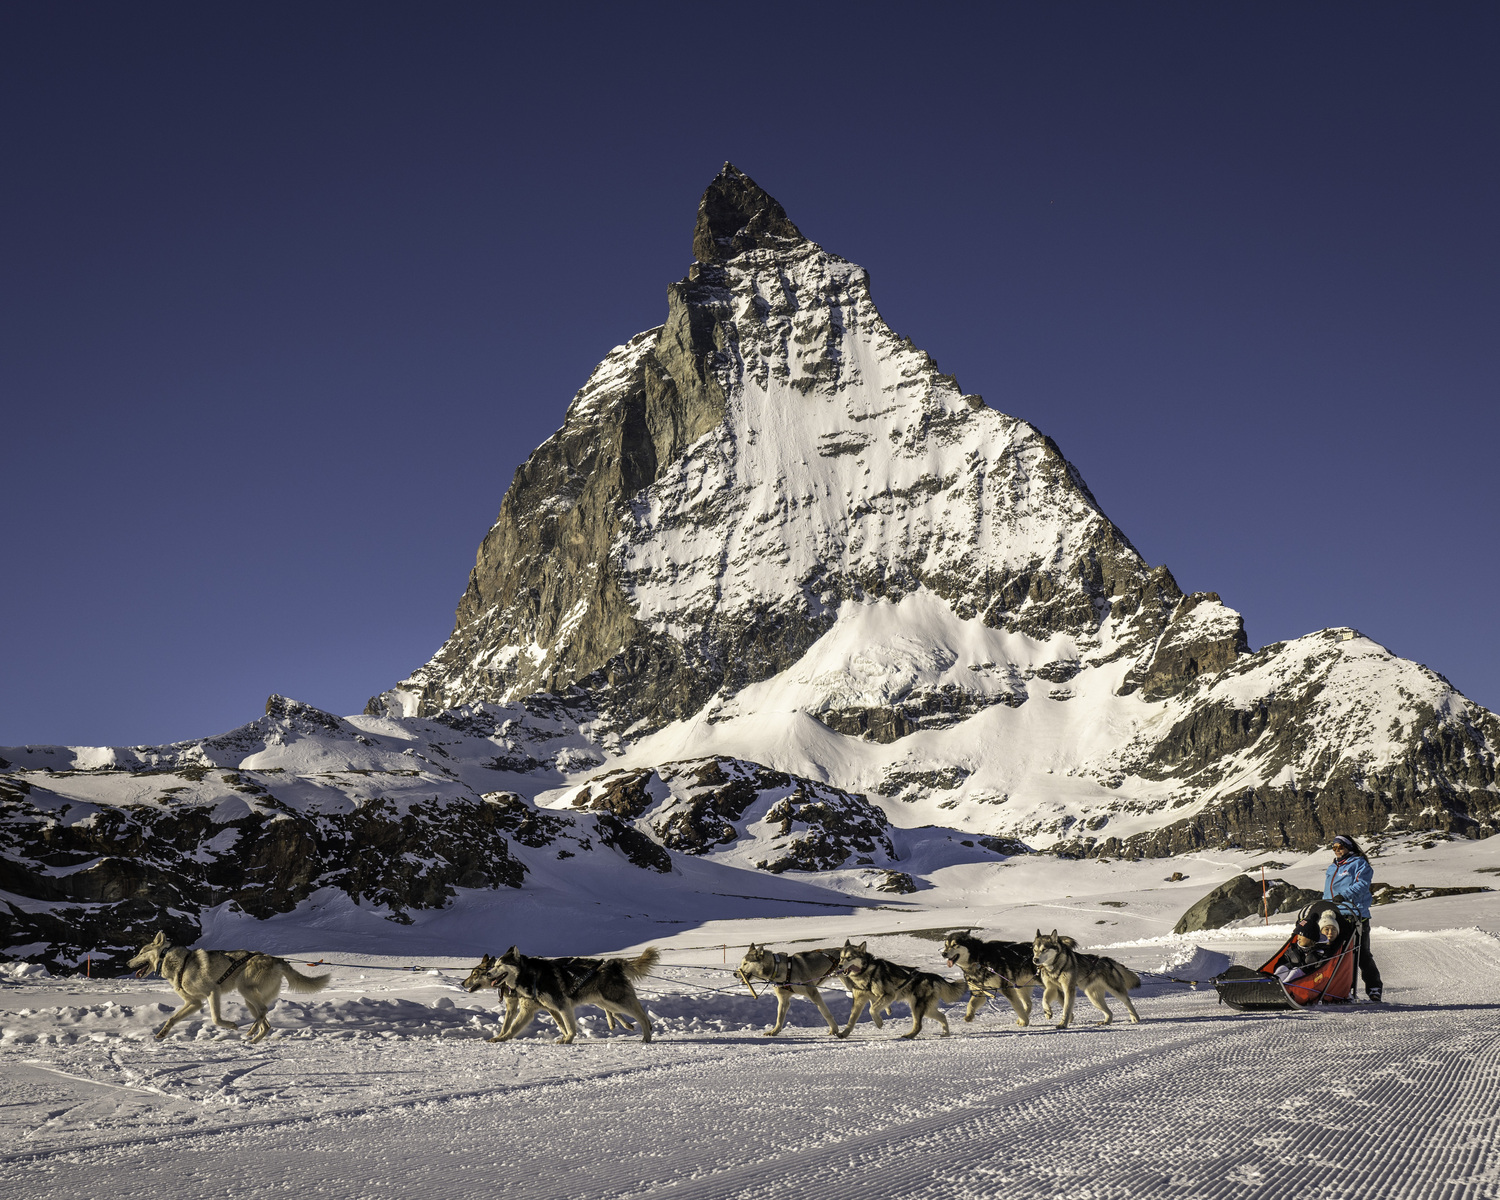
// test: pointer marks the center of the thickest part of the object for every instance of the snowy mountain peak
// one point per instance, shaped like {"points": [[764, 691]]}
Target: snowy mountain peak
{"points": [[736, 215], [724, 484]]}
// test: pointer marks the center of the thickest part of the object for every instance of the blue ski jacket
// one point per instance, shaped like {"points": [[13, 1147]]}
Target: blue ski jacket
{"points": [[1349, 881]]}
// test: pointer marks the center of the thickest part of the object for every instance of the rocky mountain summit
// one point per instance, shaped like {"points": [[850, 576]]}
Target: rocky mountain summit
{"points": [[723, 484], [779, 601], [773, 503]]}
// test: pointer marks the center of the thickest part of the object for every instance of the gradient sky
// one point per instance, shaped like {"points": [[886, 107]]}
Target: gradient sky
{"points": [[289, 291]]}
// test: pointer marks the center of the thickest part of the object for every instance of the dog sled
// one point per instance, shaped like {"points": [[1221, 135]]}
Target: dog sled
{"points": [[1330, 981]]}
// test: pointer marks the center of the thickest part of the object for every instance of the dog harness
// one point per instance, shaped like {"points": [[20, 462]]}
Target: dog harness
{"points": [[781, 973], [239, 959], [244, 957]]}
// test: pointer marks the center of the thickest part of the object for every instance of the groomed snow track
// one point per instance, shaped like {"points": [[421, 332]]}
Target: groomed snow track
{"points": [[1389, 1101]]}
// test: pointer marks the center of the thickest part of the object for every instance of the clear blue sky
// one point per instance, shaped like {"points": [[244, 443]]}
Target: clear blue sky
{"points": [[289, 290]]}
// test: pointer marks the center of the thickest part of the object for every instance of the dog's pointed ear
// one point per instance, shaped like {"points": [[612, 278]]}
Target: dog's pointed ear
{"points": [[160, 939], [862, 946], [1039, 935]]}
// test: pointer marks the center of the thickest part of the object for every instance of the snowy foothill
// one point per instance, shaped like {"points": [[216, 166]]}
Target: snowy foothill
{"points": [[384, 1085]]}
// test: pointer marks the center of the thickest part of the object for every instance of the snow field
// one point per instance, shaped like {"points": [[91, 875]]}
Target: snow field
{"points": [[383, 1086]]}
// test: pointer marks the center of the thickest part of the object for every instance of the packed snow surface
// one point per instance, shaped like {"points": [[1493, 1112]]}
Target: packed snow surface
{"points": [[383, 1085]]}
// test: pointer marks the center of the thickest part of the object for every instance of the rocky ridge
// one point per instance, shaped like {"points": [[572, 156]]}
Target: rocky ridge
{"points": [[301, 806]]}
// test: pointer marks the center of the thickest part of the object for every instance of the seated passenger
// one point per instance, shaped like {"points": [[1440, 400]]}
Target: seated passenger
{"points": [[1313, 945]]}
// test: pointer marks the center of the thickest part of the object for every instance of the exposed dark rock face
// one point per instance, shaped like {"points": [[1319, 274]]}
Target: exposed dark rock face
{"points": [[736, 215], [904, 783], [1390, 894], [1006, 846], [928, 708], [817, 827], [126, 866], [703, 805], [1244, 896], [1309, 717], [717, 793], [1202, 638], [99, 879]]}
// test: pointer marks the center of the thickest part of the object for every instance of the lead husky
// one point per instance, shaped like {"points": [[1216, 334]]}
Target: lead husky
{"points": [[791, 975], [988, 966], [1063, 969], [560, 985], [199, 975], [880, 984]]}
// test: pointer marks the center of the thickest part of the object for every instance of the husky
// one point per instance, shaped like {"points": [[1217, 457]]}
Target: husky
{"points": [[199, 975], [991, 966], [1063, 970], [792, 975], [484, 976], [880, 984], [560, 985]]}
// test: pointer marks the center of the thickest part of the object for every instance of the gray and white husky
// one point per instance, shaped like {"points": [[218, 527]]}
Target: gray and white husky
{"points": [[560, 985], [792, 975], [199, 975], [1063, 970], [483, 976], [989, 967], [879, 984]]}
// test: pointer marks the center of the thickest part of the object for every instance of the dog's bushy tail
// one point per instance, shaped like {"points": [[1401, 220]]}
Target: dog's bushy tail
{"points": [[637, 967], [1123, 976], [299, 982], [950, 990]]}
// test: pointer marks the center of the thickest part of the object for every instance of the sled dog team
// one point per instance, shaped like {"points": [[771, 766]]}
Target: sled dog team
{"points": [[1010, 969], [528, 985]]}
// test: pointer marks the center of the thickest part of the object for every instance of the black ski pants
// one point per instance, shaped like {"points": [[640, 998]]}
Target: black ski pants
{"points": [[1368, 971]]}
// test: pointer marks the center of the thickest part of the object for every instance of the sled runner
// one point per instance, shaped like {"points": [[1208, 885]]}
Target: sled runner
{"points": [[1328, 982]]}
